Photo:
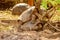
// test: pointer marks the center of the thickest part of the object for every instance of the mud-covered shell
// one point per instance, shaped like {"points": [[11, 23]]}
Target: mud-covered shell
{"points": [[19, 8]]}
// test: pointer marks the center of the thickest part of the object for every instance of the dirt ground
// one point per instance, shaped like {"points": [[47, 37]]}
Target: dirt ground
{"points": [[29, 35], [13, 32]]}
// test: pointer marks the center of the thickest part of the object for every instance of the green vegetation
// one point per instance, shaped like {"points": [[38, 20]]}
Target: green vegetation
{"points": [[52, 2]]}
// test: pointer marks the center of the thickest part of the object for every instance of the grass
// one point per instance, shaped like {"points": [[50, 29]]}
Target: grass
{"points": [[7, 15]]}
